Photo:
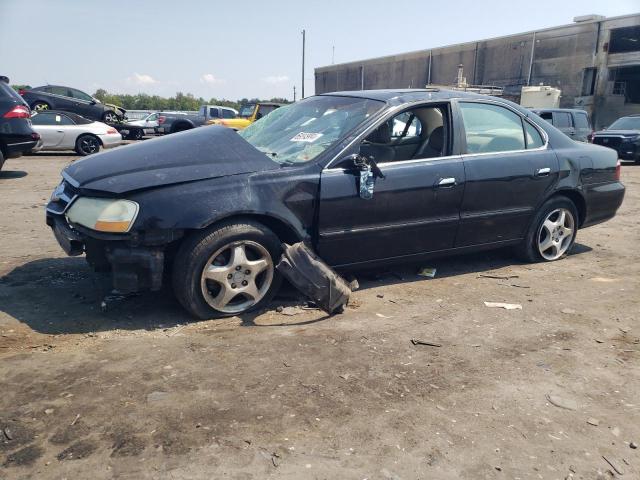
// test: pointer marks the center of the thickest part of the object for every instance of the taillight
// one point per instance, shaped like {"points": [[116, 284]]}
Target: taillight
{"points": [[22, 91], [111, 130], [590, 137], [35, 136], [19, 111], [618, 169], [161, 119]]}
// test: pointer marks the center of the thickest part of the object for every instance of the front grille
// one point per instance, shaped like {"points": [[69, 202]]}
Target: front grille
{"points": [[62, 196], [611, 142]]}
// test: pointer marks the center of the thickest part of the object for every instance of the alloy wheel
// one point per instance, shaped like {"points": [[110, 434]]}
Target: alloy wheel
{"points": [[89, 145], [40, 107], [110, 117], [556, 234], [237, 276]]}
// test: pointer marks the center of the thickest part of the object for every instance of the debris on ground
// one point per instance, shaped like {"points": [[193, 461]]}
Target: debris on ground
{"points": [[498, 277], [379, 315], [593, 421], [291, 311], [416, 341], [633, 445], [568, 311], [7, 433], [314, 278], [428, 272], [615, 466], [561, 402], [354, 285], [506, 306]]}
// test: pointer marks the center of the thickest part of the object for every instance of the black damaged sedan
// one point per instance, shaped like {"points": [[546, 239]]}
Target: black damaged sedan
{"points": [[366, 178]]}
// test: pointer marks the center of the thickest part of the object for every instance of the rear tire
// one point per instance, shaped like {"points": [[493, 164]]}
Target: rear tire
{"points": [[40, 106], [1, 160], [227, 270], [87, 145], [552, 232]]}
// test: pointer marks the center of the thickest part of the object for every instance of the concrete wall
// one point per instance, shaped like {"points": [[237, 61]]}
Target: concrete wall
{"points": [[560, 56]]}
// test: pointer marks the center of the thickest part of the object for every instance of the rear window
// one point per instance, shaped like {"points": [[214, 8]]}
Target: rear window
{"points": [[562, 120], [7, 92], [582, 121]]}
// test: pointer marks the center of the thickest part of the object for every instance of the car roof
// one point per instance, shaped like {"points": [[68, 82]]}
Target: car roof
{"points": [[558, 110], [398, 96], [79, 119]]}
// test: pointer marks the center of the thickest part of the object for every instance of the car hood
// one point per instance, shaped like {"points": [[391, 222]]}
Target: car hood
{"points": [[198, 154], [626, 133]]}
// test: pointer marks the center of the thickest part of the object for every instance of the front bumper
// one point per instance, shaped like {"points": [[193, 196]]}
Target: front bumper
{"points": [[134, 267]]}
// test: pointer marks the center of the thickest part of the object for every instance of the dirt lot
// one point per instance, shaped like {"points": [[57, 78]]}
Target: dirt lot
{"points": [[142, 392]]}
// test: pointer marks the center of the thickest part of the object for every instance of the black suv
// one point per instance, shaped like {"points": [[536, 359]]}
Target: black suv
{"points": [[623, 136], [572, 122], [16, 135], [56, 97]]}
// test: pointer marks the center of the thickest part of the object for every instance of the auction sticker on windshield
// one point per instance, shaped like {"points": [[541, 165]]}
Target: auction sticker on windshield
{"points": [[306, 137]]}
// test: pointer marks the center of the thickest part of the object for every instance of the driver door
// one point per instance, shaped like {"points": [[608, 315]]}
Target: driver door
{"points": [[415, 208]]}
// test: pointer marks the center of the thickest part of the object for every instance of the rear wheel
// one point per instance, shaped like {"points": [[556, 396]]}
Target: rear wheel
{"points": [[552, 233], [228, 270], [87, 144], [40, 106], [138, 134], [1, 159]]}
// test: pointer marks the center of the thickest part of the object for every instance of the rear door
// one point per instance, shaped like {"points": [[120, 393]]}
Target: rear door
{"points": [[509, 171], [83, 103]]}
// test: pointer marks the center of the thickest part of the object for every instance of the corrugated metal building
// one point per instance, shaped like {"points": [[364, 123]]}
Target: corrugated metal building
{"points": [[595, 62]]}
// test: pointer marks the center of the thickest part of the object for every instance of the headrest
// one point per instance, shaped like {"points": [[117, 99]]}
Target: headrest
{"points": [[382, 134], [436, 139]]}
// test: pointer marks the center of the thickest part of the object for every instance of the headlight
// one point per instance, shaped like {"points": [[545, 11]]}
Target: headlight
{"points": [[104, 215]]}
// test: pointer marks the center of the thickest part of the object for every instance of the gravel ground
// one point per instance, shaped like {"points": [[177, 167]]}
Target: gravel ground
{"points": [[140, 391]]}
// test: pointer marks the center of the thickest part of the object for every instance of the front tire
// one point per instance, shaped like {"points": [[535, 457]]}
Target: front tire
{"points": [[552, 232], [110, 117], [227, 270], [87, 144]]}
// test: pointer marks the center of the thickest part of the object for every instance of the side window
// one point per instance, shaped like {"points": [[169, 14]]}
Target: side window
{"points": [[405, 125], [228, 113], [491, 128], [582, 121], [80, 95], [213, 113], [265, 110], [534, 139], [63, 120], [547, 116], [153, 118], [43, 119], [60, 91], [562, 120]]}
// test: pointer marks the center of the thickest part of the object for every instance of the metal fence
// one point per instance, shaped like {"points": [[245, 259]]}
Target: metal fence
{"points": [[140, 114]]}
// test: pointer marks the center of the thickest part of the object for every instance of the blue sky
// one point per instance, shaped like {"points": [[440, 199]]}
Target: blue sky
{"points": [[243, 49]]}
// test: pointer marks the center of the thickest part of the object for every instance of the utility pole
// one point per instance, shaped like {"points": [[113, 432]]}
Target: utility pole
{"points": [[333, 54], [303, 45], [294, 93]]}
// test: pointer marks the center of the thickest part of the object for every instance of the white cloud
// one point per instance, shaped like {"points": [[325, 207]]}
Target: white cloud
{"points": [[273, 79], [141, 79], [210, 79]]}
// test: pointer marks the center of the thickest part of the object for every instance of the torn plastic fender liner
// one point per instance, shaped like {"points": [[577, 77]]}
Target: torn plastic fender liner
{"points": [[314, 278]]}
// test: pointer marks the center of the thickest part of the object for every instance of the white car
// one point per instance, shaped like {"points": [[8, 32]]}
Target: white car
{"points": [[68, 131], [148, 123]]}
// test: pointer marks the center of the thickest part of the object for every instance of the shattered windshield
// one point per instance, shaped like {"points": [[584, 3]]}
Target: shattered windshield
{"points": [[301, 131]]}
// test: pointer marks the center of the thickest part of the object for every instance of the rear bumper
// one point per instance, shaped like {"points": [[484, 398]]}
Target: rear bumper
{"points": [[110, 140], [14, 150], [133, 267], [603, 201]]}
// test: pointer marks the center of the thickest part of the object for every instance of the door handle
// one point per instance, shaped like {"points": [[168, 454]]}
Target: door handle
{"points": [[446, 182], [542, 172], [60, 131]]}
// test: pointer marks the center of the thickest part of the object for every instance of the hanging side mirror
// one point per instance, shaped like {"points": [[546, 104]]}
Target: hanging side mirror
{"points": [[368, 172]]}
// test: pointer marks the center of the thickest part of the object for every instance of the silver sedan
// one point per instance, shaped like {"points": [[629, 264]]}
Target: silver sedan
{"points": [[68, 131]]}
